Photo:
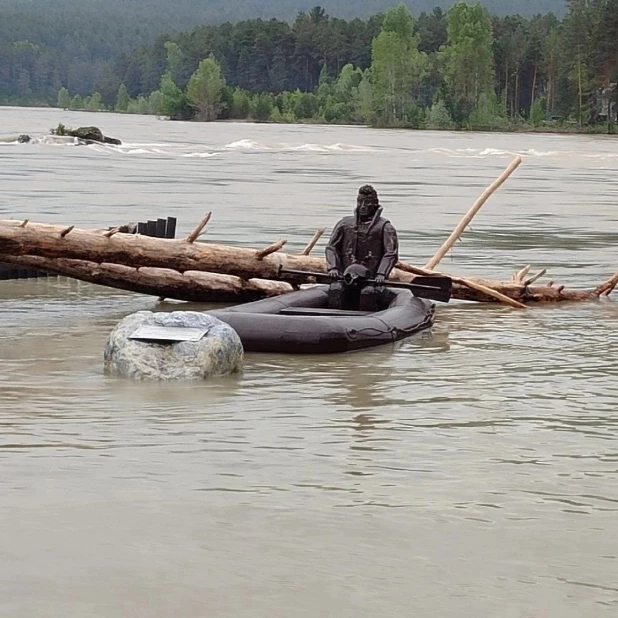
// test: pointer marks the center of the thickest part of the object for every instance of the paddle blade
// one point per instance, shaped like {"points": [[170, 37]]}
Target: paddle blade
{"points": [[433, 288], [444, 283], [442, 295]]}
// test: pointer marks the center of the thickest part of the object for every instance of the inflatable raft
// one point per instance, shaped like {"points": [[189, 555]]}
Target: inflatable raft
{"points": [[301, 323]]}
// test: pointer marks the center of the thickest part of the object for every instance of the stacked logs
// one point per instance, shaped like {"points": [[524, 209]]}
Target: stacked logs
{"points": [[202, 272]]}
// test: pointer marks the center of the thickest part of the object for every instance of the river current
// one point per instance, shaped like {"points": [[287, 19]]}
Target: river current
{"points": [[470, 471]]}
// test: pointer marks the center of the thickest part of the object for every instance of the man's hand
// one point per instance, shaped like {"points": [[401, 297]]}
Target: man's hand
{"points": [[334, 273], [379, 279]]}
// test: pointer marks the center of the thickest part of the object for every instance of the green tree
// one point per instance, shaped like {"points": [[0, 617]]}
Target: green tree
{"points": [[486, 114], [24, 89], [550, 63], [64, 100], [261, 108], [398, 67], [468, 56], [582, 37], [347, 82], [541, 28], [174, 103], [279, 71], [276, 115], [154, 102], [175, 61], [363, 103], [305, 105], [241, 104], [93, 103], [537, 113], [205, 88], [133, 107], [142, 105], [123, 98], [325, 83], [432, 30], [108, 85], [334, 111], [608, 44], [438, 117], [77, 102]]}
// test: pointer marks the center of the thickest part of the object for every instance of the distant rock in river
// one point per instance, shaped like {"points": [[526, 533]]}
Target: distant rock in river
{"points": [[86, 134]]}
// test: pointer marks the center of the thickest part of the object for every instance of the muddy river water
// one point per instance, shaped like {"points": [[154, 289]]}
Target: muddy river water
{"points": [[468, 472]]}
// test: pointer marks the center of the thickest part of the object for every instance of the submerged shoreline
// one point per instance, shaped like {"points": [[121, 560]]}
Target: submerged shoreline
{"points": [[612, 129]]}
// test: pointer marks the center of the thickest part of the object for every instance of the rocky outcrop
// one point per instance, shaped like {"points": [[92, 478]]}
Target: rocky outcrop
{"points": [[92, 134], [86, 134], [219, 352]]}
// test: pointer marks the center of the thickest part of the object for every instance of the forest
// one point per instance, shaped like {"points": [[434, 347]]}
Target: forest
{"points": [[461, 67]]}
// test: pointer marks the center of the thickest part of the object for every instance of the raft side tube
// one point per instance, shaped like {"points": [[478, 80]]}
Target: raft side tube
{"points": [[263, 329]]}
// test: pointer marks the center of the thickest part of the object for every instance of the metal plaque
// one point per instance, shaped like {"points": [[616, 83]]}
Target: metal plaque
{"points": [[169, 333]]}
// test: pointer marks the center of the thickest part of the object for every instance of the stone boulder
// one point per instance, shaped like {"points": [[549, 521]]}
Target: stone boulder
{"points": [[86, 135], [92, 134], [219, 352]]}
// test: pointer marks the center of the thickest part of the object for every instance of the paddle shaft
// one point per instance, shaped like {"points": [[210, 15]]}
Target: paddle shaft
{"points": [[440, 292]]}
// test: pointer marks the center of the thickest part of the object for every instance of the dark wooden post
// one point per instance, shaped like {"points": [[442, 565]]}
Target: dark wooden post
{"points": [[170, 230]]}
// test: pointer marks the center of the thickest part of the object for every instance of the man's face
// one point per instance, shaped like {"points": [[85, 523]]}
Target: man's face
{"points": [[366, 206]]}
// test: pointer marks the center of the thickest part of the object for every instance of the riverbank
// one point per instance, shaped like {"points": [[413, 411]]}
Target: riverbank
{"points": [[552, 127]]}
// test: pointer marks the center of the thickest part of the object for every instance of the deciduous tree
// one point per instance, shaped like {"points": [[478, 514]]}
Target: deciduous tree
{"points": [[205, 89]]}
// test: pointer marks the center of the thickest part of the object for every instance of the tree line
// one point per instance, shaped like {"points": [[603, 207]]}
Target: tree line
{"points": [[46, 44], [460, 68]]}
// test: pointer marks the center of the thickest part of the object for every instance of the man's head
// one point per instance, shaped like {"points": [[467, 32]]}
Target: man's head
{"points": [[367, 202]]}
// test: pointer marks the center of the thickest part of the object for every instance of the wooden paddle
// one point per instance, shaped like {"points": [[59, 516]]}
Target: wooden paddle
{"points": [[433, 288]]}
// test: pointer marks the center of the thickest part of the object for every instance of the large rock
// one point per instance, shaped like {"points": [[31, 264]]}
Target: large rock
{"points": [[219, 352], [92, 134], [86, 135]]}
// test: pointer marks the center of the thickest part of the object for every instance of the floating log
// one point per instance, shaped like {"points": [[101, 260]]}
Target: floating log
{"points": [[193, 286], [40, 239], [487, 291], [536, 294], [198, 286], [172, 268], [458, 231]]}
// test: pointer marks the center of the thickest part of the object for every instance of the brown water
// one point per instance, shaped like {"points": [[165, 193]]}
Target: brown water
{"points": [[469, 472]]}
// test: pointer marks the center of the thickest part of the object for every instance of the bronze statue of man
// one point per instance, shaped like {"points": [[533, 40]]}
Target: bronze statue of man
{"points": [[365, 240]]}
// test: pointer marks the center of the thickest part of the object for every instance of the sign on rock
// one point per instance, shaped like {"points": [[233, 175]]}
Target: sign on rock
{"points": [[169, 334]]}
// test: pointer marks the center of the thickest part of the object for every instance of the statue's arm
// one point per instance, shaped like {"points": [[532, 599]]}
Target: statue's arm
{"points": [[333, 248], [391, 250]]}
